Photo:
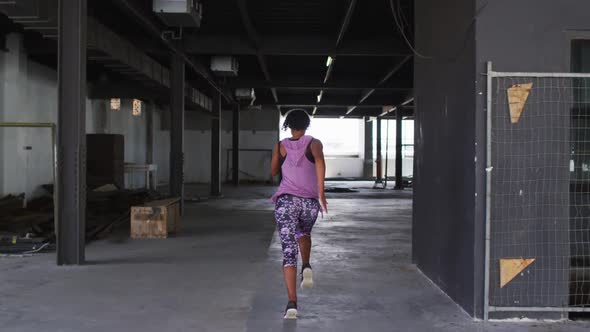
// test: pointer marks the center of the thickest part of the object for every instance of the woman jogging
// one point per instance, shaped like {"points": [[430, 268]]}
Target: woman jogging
{"points": [[298, 201]]}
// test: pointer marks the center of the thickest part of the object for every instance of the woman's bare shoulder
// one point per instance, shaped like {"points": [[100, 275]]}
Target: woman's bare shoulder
{"points": [[316, 144]]}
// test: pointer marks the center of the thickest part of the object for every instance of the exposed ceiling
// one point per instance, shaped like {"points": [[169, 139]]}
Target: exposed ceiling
{"points": [[282, 47]]}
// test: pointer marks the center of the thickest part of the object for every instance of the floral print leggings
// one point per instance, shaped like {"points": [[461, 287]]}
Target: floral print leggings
{"points": [[295, 217]]}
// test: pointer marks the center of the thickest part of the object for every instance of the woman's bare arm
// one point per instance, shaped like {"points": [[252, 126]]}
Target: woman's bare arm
{"points": [[275, 164], [317, 149]]}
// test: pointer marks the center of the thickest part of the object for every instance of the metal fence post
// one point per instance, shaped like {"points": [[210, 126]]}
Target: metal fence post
{"points": [[486, 297]]}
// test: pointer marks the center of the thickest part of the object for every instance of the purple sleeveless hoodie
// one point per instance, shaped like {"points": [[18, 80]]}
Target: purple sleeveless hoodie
{"points": [[299, 174]]}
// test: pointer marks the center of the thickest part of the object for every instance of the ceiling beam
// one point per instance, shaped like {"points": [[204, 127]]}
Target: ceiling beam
{"points": [[255, 40], [399, 108], [344, 100], [272, 46], [292, 45], [332, 59], [363, 112], [129, 57], [406, 112], [154, 27], [385, 78], [306, 81], [126, 89], [342, 106], [346, 22]]}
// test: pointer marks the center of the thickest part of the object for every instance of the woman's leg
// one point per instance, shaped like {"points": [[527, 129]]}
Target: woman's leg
{"points": [[290, 274], [305, 248], [309, 215], [287, 217]]}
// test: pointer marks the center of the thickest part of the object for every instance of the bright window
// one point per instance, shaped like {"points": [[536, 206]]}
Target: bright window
{"points": [[407, 138], [340, 137]]}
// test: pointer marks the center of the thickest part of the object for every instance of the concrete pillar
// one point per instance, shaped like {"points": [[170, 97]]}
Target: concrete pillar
{"points": [[379, 158], [399, 185], [71, 184], [150, 132], [236, 146], [216, 146], [101, 113], [177, 88], [368, 166]]}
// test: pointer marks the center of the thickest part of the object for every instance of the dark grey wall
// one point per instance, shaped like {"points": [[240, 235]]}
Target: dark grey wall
{"points": [[444, 189], [530, 35]]}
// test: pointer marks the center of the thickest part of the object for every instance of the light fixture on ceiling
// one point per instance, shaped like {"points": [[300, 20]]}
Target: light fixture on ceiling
{"points": [[329, 61]]}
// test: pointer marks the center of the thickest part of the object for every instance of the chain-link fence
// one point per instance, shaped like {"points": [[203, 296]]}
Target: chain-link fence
{"points": [[538, 202]]}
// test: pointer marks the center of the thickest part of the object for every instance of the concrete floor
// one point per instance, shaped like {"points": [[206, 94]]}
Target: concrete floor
{"points": [[222, 273]]}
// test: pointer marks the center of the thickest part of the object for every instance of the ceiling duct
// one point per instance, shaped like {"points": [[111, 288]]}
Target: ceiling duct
{"points": [[224, 66], [179, 13], [244, 94]]}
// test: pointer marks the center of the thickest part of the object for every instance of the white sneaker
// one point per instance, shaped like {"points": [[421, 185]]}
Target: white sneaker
{"points": [[307, 278], [291, 311]]}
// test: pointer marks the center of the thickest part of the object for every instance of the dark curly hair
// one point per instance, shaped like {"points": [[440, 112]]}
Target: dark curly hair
{"points": [[297, 119]]}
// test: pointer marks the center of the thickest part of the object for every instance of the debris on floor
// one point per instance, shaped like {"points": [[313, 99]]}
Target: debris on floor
{"points": [[195, 199], [340, 190], [13, 245], [10, 203], [24, 230], [106, 188]]}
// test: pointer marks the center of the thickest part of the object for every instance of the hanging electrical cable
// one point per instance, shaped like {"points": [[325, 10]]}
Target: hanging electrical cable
{"points": [[399, 17], [402, 31], [402, 15]]}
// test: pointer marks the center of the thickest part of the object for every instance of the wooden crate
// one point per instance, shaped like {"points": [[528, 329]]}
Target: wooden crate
{"points": [[156, 219]]}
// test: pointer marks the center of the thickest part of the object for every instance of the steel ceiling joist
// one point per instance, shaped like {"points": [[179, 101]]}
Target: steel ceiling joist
{"points": [[331, 59], [299, 45], [255, 40], [346, 22], [104, 46], [105, 40], [385, 78], [132, 61], [153, 27], [308, 82], [340, 99], [39, 15]]}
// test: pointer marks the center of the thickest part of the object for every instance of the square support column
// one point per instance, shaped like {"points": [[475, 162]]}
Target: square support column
{"points": [[379, 158], [399, 184], [177, 88], [216, 146], [368, 165], [236, 146], [71, 125], [150, 132]]}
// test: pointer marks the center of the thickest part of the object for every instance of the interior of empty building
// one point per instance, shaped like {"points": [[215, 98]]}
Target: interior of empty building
{"points": [[137, 136]]}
